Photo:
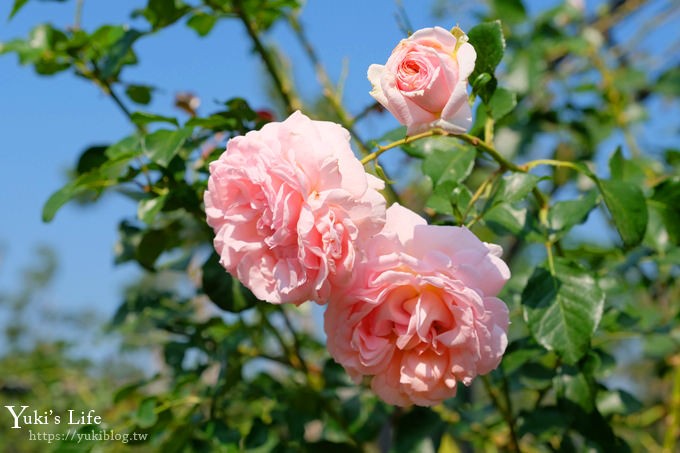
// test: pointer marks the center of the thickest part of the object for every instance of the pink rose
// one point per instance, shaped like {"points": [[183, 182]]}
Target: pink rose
{"points": [[424, 83], [287, 204], [423, 314]]}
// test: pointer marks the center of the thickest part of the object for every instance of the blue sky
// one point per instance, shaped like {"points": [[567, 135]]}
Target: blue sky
{"points": [[45, 122]]}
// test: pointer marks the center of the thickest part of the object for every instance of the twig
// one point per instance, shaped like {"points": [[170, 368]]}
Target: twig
{"points": [[505, 413], [289, 100], [297, 349]]}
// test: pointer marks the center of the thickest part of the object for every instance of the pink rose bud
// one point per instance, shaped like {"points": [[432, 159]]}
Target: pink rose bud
{"points": [[422, 313], [287, 204], [424, 82]]}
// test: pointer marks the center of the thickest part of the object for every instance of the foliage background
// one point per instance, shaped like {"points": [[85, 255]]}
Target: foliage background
{"points": [[585, 97]]}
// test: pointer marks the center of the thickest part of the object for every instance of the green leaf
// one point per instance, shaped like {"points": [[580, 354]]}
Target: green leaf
{"points": [[448, 163], [440, 200], [114, 58], [617, 402], [146, 416], [91, 159], [71, 190], [489, 43], [223, 290], [144, 118], [450, 198], [563, 215], [202, 23], [161, 146], [511, 11], [59, 198], [149, 208], [128, 240], [629, 170], [422, 148], [668, 83], [151, 245], [578, 387], [507, 219], [97, 179], [140, 94], [332, 447], [161, 13], [563, 310], [666, 200], [502, 102], [214, 122], [515, 187], [628, 209], [415, 431], [18, 4], [544, 422], [130, 145], [616, 164]]}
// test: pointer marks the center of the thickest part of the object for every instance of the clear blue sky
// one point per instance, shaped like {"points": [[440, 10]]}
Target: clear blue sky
{"points": [[45, 122]]}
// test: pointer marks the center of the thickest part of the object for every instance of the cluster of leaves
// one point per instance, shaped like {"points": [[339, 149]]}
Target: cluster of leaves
{"points": [[39, 364], [238, 374]]}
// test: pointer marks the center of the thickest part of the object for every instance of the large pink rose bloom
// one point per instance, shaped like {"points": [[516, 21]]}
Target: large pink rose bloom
{"points": [[288, 203], [423, 314], [424, 82]]}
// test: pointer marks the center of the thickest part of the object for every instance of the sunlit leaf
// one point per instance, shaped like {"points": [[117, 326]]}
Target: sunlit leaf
{"points": [[628, 209], [448, 163], [161, 146], [563, 310]]}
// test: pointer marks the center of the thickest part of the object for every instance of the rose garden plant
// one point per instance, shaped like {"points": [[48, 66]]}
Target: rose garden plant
{"points": [[339, 300]]}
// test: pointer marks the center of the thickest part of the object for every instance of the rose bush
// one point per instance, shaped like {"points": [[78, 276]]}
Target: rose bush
{"points": [[423, 313], [424, 82], [287, 203]]}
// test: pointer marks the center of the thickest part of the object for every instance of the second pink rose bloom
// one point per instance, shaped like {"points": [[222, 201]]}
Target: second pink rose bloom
{"points": [[424, 82], [422, 314]]}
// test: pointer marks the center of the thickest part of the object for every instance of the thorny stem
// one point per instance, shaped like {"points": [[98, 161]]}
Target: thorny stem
{"points": [[508, 404], [471, 139], [329, 91], [480, 190], [408, 139], [296, 361], [106, 86], [291, 103], [505, 410], [79, 14], [673, 431], [290, 355], [372, 107], [296, 341], [491, 151]]}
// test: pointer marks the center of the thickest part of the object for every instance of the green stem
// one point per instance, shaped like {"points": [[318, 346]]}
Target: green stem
{"points": [[291, 103], [330, 92], [290, 355], [373, 107], [79, 14], [381, 149], [297, 349], [505, 411], [671, 438], [106, 86], [478, 193], [555, 163], [491, 151]]}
